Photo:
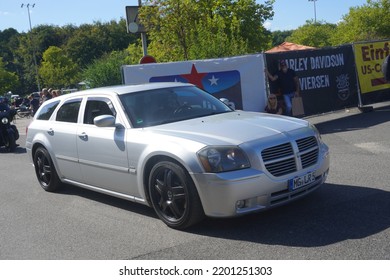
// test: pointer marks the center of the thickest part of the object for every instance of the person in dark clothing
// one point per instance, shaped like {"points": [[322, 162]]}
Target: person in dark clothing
{"points": [[34, 104], [4, 105], [288, 83]]}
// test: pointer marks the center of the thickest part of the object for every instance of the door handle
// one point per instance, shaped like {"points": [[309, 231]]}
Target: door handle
{"points": [[50, 132], [83, 136]]}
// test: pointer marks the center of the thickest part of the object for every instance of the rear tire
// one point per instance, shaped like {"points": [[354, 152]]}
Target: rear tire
{"points": [[46, 172], [10, 142], [174, 196]]}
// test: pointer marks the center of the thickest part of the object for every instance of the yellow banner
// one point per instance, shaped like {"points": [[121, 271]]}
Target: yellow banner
{"points": [[369, 57]]}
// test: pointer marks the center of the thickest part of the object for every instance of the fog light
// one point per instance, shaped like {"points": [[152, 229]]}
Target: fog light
{"points": [[240, 204]]}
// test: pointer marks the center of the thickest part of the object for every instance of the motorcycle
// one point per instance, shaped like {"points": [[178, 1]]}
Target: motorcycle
{"points": [[24, 111], [8, 131]]}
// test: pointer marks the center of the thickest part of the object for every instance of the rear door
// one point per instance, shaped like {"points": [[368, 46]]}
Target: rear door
{"points": [[62, 133]]}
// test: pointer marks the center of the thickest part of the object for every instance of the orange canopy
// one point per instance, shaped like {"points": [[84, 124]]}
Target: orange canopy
{"points": [[287, 46]]}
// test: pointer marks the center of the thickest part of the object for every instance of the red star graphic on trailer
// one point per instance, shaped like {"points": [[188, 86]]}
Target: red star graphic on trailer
{"points": [[195, 77]]}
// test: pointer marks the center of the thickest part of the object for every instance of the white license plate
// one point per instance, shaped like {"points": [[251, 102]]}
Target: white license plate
{"points": [[301, 181]]}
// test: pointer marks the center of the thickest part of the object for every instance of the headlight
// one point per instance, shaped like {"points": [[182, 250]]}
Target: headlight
{"points": [[4, 120], [220, 159], [318, 135]]}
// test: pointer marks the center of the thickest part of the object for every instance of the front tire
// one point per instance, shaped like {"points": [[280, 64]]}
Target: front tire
{"points": [[174, 196], [44, 169]]}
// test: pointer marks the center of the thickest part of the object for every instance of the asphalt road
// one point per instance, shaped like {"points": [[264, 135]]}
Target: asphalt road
{"points": [[348, 218]]}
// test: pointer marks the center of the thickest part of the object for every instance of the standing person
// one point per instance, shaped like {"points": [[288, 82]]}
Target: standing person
{"points": [[56, 93], [45, 95], [34, 104], [4, 105], [273, 106], [288, 83]]}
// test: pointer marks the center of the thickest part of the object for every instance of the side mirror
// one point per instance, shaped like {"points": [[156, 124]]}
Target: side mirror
{"points": [[386, 68], [104, 121], [228, 103]]}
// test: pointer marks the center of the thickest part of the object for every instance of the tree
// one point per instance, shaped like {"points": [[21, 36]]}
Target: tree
{"points": [[9, 42], [57, 70], [219, 43], [106, 71], [279, 37], [368, 22], [185, 29], [314, 34], [91, 41], [8, 80]]}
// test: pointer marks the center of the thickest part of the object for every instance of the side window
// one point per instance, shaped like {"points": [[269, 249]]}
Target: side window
{"points": [[97, 107], [47, 110], [69, 111]]}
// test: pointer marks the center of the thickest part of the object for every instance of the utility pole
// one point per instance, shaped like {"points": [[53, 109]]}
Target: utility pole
{"points": [[315, 10], [143, 36], [33, 45]]}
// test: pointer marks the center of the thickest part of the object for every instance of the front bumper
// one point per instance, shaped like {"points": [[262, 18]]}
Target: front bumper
{"points": [[245, 191]]}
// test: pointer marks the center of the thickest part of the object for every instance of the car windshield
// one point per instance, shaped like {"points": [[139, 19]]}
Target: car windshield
{"points": [[167, 105]]}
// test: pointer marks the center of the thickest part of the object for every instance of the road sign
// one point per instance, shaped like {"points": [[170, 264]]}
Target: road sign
{"points": [[147, 59], [132, 20]]}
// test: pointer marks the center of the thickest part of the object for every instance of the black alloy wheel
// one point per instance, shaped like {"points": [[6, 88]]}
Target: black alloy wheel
{"points": [[174, 196], [45, 170]]}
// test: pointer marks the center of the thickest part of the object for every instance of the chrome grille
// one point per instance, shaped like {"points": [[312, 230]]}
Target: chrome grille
{"points": [[308, 149], [281, 160], [306, 143], [277, 152]]}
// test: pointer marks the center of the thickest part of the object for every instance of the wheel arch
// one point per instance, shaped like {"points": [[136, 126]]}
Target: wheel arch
{"points": [[148, 167], [52, 157]]}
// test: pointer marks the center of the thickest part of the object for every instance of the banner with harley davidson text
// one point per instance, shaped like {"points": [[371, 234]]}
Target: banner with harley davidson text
{"points": [[327, 76], [369, 57]]}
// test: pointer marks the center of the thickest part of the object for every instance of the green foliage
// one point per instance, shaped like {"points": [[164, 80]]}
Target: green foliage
{"points": [[185, 29], [57, 70], [368, 22], [279, 37], [211, 32], [313, 34], [82, 44], [8, 43], [8, 80], [91, 41], [134, 53], [106, 71]]}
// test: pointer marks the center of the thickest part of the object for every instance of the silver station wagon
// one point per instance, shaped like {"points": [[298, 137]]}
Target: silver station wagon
{"points": [[177, 149]]}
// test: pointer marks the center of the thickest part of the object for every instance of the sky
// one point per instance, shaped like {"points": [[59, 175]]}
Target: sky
{"points": [[289, 14]]}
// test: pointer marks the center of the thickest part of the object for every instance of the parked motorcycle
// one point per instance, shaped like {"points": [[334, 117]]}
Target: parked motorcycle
{"points": [[24, 111], [8, 131]]}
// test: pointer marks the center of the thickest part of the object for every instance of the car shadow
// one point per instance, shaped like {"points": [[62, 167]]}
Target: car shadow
{"points": [[355, 122], [108, 200], [332, 214]]}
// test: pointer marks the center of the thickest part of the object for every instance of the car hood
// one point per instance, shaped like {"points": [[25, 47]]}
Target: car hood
{"points": [[230, 128]]}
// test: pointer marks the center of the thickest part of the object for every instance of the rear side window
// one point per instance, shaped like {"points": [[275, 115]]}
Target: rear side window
{"points": [[69, 111], [47, 110]]}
